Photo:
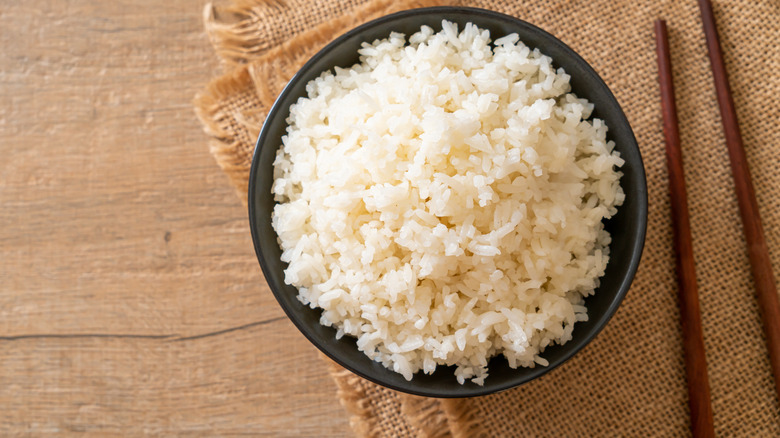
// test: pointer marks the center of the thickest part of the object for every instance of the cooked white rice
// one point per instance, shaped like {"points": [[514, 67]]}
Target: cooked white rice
{"points": [[442, 201]]}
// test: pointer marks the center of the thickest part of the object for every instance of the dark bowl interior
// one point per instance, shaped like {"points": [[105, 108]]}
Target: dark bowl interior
{"points": [[627, 227]]}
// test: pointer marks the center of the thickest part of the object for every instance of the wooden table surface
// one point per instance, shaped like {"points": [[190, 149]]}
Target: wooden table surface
{"points": [[131, 301]]}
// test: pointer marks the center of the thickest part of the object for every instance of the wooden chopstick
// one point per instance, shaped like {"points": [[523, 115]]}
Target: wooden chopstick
{"points": [[688, 295], [758, 252]]}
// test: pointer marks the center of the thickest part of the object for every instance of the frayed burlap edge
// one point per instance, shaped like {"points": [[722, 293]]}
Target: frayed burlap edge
{"points": [[462, 418], [232, 30], [353, 397], [229, 152], [426, 415]]}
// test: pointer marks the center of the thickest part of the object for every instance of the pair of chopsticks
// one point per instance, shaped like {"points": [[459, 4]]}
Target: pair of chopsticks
{"points": [[695, 362]]}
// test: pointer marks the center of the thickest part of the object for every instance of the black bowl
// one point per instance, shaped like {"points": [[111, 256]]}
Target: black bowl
{"points": [[627, 226]]}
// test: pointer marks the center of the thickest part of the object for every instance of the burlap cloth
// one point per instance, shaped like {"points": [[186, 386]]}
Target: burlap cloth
{"points": [[630, 380]]}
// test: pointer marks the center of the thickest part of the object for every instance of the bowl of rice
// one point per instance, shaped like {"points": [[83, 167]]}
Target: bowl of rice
{"points": [[448, 202]]}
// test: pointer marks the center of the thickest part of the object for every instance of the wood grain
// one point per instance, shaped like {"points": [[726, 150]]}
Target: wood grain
{"points": [[688, 291], [758, 251], [131, 301]]}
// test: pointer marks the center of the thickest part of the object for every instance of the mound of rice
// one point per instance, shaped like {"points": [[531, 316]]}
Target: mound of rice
{"points": [[442, 201]]}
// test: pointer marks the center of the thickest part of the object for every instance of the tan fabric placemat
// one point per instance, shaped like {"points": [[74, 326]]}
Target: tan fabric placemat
{"points": [[630, 380]]}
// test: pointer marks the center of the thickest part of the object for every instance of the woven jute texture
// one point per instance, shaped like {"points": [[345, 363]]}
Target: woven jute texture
{"points": [[630, 380]]}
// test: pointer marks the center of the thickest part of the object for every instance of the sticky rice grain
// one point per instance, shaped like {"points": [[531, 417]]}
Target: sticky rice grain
{"points": [[442, 201]]}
